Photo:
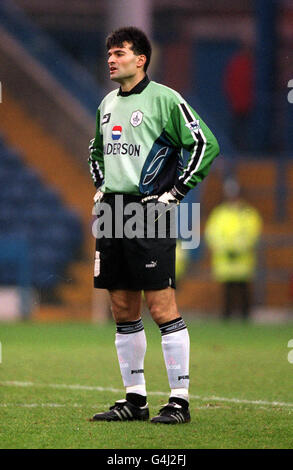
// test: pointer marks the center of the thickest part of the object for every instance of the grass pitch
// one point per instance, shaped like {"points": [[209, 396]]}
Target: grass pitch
{"points": [[54, 377]]}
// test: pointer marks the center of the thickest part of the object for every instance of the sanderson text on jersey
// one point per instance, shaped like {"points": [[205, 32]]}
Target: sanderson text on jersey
{"points": [[122, 149]]}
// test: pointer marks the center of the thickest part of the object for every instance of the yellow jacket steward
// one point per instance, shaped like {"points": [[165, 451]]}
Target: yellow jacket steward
{"points": [[232, 231]]}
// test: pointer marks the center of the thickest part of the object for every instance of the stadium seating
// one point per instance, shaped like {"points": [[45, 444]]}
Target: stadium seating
{"points": [[45, 50], [36, 229]]}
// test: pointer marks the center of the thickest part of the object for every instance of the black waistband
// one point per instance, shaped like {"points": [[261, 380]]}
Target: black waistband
{"points": [[127, 198]]}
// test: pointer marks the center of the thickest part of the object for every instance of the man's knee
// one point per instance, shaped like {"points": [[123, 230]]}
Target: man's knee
{"points": [[157, 313], [162, 306], [125, 308], [120, 311]]}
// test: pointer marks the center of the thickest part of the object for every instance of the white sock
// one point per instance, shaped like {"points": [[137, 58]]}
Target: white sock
{"points": [[180, 393], [131, 345], [176, 347]]}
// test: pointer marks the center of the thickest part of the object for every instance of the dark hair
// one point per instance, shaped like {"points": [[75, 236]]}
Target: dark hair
{"points": [[138, 39]]}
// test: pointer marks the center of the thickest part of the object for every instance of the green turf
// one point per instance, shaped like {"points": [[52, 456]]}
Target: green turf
{"points": [[228, 361]]}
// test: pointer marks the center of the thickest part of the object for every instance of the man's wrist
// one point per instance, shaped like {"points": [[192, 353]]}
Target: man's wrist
{"points": [[179, 190]]}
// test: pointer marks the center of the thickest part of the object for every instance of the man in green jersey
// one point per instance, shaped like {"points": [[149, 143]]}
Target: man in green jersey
{"points": [[136, 155]]}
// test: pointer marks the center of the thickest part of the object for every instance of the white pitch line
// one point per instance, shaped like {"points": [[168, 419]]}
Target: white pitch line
{"points": [[69, 387], [116, 390], [51, 405]]}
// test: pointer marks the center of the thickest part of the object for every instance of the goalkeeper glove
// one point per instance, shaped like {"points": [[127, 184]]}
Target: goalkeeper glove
{"points": [[174, 195]]}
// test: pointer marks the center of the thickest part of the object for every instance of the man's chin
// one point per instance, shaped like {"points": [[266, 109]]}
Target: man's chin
{"points": [[120, 78], [116, 78]]}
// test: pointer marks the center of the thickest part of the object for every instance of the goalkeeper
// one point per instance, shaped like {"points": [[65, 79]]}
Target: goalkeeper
{"points": [[141, 129]]}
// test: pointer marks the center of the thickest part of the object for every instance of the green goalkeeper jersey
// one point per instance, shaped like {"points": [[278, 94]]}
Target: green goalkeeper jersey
{"points": [[139, 140]]}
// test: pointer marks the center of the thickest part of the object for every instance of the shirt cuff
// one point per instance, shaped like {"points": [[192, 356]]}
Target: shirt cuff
{"points": [[180, 190]]}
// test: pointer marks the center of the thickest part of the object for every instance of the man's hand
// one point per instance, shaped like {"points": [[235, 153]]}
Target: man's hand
{"points": [[98, 197], [168, 198], [174, 195]]}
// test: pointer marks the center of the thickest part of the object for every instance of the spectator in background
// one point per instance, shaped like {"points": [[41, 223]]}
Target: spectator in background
{"points": [[232, 232], [239, 90]]}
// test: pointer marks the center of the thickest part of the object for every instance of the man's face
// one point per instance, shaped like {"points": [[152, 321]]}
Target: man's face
{"points": [[123, 63]]}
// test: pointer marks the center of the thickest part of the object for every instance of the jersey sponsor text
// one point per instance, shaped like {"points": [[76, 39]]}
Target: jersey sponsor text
{"points": [[122, 149]]}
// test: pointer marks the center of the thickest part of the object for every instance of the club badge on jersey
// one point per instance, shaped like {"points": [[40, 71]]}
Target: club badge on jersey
{"points": [[136, 118]]}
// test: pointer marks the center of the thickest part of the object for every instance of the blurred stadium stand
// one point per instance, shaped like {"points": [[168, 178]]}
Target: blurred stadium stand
{"points": [[50, 123], [68, 195], [39, 236], [54, 52], [48, 52], [58, 84]]}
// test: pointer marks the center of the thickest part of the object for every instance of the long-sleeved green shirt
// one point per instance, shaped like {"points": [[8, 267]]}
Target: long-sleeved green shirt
{"points": [[139, 140]]}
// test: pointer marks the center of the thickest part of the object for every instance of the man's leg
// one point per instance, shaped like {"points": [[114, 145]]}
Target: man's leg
{"points": [[176, 347], [227, 298], [245, 295], [130, 344]]}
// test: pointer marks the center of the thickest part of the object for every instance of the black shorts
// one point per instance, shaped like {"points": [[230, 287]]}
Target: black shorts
{"points": [[138, 263]]}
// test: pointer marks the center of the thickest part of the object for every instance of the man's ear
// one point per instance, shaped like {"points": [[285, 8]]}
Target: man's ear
{"points": [[141, 60]]}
